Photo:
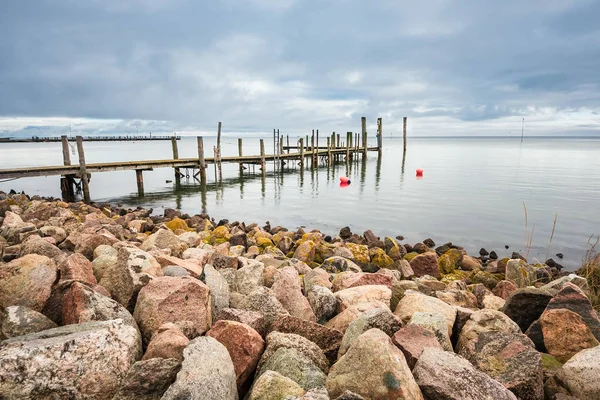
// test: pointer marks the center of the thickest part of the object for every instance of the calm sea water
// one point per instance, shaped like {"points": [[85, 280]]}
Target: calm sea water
{"points": [[472, 191]]}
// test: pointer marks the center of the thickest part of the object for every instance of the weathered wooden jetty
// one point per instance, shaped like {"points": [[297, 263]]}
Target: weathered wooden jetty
{"points": [[335, 150], [112, 138]]}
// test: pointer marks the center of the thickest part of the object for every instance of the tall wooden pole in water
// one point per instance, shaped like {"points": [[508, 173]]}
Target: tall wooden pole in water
{"points": [[262, 156], [301, 153], [65, 149], [82, 170], [175, 157], [66, 182], [202, 164], [140, 181], [363, 124], [240, 154], [404, 133], [379, 134]]}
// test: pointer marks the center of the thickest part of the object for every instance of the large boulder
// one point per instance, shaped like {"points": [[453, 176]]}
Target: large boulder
{"points": [[273, 386], [27, 281], [81, 303], [20, 320], [277, 340], [253, 319], [288, 290], [207, 372], [184, 301], [294, 364], [341, 321], [167, 342], [337, 264], [443, 375], [77, 267], [413, 340], [426, 264], [483, 321], [326, 338], [520, 273], [526, 305], [572, 298], [363, 294], [379, 318], [37, 245], [346, 280], [13, 228], [580, 374], [511, 359], [192, 266], [565, 333], [68, 362], [436, 323], [148, 379], [305, 251], [399, 288], [373, 368], [133, 270], [161, 239], [219, 289], [249, 277], [244, 345], [413, 302], [323, 302], [264, 301]]}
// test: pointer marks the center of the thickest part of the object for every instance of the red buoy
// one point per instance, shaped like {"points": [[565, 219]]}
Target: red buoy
{"points": [[344, 184], [344, 179], [419, 172]]}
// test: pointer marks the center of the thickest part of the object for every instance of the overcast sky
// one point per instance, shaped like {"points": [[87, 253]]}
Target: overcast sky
{"points": [[453, 67]]}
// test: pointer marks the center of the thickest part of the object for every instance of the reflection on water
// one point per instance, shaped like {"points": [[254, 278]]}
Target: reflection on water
{"points": [[472, 192]]}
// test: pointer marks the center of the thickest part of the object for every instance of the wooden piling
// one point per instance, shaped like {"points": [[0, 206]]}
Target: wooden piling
{"points": [[240, 154], [301, 153], [363, 124], [175, 157], [316, 155], [280, 144], [287, 142], [348, 142], [201, 163], [262, 155], [139, 177], [65, 150], [404, 133], [379, 134], [338, 140], [329, 151], [82, 170], [66, 182]]}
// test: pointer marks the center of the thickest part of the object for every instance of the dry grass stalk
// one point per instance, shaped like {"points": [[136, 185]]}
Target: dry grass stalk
{"points": [[551, 236], [591, 270]]}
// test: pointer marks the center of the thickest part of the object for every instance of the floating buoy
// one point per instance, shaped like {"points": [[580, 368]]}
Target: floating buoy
{"points": [[419, 172], [344, 179], [344, 184]]}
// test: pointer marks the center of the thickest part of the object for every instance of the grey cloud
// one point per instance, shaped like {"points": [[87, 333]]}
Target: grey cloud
{"points": [[297, 64]]}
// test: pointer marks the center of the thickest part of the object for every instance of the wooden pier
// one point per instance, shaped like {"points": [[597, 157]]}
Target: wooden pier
{"points": [[120, 138], [355, 145]]}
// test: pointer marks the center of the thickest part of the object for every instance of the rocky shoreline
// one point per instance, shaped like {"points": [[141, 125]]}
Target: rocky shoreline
{"points": [[102, 302]]}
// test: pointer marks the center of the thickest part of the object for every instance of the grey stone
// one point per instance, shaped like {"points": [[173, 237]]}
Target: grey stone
{"points": [[379, 318], [219, 289], [443, 375], [19, 321], [68, 362], [295, 365], [207, 372], [149, 379]]}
